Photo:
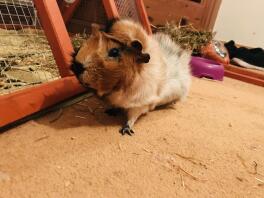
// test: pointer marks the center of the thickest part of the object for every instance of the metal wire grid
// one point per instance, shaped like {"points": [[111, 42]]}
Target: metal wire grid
{"points": [[25, 55], [127, 9]]}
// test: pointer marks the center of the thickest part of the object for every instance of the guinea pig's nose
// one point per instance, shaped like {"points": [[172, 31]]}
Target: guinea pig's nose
{"points": [[77, 68], [143, 58]]}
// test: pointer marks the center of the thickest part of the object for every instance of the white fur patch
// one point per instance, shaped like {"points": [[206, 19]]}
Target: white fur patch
{"points": [[164, 79]]}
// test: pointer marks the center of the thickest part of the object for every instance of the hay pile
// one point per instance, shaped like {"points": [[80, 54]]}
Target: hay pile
{"points": [[25, 59], [187, 36]]}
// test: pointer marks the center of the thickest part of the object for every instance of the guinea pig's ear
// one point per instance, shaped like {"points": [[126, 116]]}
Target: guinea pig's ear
{"points": [[95, 29], [113, 38], [137, 45]]}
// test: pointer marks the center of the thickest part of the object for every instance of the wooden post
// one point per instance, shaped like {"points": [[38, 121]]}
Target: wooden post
{"points": [[56, 32], [143, 16], [110, 8]]}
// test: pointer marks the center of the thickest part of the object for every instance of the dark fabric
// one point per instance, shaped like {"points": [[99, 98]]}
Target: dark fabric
{"points": [[253, 56]]}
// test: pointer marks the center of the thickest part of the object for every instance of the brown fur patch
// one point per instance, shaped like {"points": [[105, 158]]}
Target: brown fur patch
{"points": [[128, 33], [105, 73]]}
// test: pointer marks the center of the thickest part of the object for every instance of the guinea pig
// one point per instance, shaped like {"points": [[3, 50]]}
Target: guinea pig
{"points": [[132, 70]]}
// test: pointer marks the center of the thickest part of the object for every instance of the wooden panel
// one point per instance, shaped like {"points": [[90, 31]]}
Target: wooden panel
{"points": [[161, 11], [246, 75], [88, 12], [57, 35], [67, 10], [201, 14], [210, 14], [31, 100]]}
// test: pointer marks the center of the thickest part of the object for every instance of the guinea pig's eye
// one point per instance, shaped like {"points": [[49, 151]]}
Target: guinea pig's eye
{"points": [[114, 52]]}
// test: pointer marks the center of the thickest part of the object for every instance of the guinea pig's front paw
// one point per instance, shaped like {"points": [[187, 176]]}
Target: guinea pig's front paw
{"points": [[126, 130]]}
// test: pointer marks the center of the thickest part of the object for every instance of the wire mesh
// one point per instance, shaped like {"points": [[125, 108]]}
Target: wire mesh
{"points": [[127, 9], [25, 55]]}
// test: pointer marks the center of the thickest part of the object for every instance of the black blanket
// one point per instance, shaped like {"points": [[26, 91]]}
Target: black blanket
{"points": [[254, 56]]}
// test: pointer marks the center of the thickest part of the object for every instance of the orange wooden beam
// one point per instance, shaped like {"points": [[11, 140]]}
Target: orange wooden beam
{"points": [[143, 16], [56, 32], [110, 8], [244, 78], [25, 102], [244, 71]]}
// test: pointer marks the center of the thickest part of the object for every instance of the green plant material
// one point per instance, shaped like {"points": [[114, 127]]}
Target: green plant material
{"points": [[77, 40], [187, 36]]}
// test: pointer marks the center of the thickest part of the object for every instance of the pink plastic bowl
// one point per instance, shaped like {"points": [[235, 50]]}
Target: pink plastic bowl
{"points": [[202, 67]]}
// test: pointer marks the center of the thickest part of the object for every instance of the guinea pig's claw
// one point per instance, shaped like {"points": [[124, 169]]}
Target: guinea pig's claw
{"points": [[126, 130]]}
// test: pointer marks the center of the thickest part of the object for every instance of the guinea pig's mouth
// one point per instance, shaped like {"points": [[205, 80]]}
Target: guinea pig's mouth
{"points": [[78, 69], [94, 91], [86, 86]]}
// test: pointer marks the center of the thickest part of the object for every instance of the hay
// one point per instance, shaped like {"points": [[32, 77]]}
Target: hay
{"points": [[78, 39], [25, 59], [187, 36]]}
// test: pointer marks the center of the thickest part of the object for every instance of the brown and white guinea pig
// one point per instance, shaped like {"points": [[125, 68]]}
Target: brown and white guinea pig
{"points": [[133, 70]]}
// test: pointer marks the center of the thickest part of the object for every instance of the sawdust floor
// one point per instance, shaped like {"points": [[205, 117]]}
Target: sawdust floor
{"points": [[212, 145]]}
